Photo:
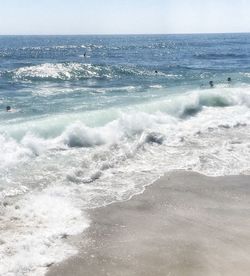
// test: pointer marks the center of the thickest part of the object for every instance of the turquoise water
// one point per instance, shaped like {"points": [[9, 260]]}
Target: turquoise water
{"points": [[50, 75], [96, 118]]}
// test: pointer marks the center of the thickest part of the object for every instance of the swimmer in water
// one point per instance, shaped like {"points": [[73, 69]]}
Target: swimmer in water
{"points": [[211, 83], [229, 79], [8, 108]]}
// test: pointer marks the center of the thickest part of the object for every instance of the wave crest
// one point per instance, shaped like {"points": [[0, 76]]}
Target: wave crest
{"points": [[70, 71], [60, 71]]}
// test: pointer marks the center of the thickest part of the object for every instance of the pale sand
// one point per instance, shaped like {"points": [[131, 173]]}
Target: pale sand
{"points": [[183, 224]]}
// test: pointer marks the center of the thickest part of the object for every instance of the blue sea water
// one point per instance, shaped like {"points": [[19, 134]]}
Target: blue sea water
{"points": [[96, 118]]}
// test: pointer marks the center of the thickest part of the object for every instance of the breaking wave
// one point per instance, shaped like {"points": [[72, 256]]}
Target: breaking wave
{"points": [[76, 164], [69, 71], [114, 126], [60, 71]]}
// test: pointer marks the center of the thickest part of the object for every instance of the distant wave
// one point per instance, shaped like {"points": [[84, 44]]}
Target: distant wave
{"points": [[220, 56], [70, 71], [47, 51], [59, 72]]}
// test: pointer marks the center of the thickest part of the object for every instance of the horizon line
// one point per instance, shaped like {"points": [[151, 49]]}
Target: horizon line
{"points": [[127, 34]]}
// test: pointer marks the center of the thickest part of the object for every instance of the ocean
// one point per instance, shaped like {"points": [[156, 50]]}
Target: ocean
{"points": [[94, 119]]}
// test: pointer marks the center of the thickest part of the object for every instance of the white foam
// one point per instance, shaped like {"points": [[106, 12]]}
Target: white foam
{"points": [[71, 130], [34, 231], [11, 152], [79, 135], [156, 86], [83, 166]]}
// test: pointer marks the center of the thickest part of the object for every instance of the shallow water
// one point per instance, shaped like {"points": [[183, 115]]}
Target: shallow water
{"points": [[92, 122]]}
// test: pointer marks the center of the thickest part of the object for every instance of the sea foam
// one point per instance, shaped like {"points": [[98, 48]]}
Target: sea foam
{"points": [[81, 166], [34, 232]]}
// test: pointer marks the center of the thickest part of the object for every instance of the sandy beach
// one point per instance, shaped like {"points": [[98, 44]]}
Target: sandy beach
{"points": [[183, 224]]}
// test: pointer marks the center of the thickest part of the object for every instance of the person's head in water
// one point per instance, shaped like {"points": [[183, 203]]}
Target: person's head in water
{"points": [[229, 79], [8, 108], [156, 71], [211, 83]]}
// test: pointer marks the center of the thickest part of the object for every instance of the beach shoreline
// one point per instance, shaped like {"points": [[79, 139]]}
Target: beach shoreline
{"points": [[185, 223]]}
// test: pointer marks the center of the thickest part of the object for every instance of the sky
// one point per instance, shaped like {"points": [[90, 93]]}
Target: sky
{"points": [[123, 16]]}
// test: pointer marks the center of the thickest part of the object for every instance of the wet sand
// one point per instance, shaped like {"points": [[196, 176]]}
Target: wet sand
{"points": [[183, 224]]}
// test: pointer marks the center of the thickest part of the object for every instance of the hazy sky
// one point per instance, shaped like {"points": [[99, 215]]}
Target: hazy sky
{"points": [[123, 16]]}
